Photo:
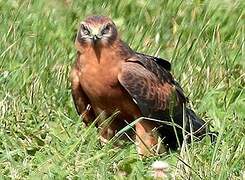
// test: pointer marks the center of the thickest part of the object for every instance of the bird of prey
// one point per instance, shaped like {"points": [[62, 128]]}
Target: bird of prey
{"points": [[108, 76]]}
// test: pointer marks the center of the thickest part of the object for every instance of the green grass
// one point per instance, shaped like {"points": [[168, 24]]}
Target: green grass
{"points": [[41, 135]]}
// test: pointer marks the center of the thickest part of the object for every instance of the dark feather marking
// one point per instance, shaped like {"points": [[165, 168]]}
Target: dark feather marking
{"points": [[162, 62], [142, 79], [159, 89]]}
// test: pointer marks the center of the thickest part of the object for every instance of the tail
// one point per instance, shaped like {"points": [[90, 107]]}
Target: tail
{"points": [[198, 126], [194, 125]]}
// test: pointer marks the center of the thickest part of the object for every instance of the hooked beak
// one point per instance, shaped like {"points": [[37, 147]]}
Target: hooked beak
{"points": [[95, 38], [95, 34]]}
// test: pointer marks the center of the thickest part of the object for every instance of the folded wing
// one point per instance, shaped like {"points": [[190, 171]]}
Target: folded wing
{"points": [[158, 96]]}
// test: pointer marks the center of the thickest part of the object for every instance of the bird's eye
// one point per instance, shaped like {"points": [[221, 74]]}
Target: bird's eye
{"points": [[85, 30], [106, 29]]}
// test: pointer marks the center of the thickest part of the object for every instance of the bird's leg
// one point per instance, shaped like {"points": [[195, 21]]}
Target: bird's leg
{"points": [[109, 129], [106, 134], [148, 141]]}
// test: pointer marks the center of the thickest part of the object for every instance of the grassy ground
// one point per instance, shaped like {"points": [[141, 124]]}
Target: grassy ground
{"points": [[41, 135]]}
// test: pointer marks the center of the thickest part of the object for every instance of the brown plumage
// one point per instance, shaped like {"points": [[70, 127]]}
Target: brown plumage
{"points": [[109, 76]]}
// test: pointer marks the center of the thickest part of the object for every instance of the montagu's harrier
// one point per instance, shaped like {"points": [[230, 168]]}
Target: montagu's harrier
{"points": [[109, 76]]}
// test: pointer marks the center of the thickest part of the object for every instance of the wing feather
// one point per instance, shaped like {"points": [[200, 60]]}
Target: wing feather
{"points": [[158, 96], [162, 62], [150, 85]]}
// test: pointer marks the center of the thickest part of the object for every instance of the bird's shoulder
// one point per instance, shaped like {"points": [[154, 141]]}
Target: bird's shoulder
{"points": [[157, 66], [153, 69], [159, 61]]}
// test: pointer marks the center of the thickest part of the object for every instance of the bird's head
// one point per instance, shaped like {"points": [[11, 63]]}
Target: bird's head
{"points": [[96, 31]]}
